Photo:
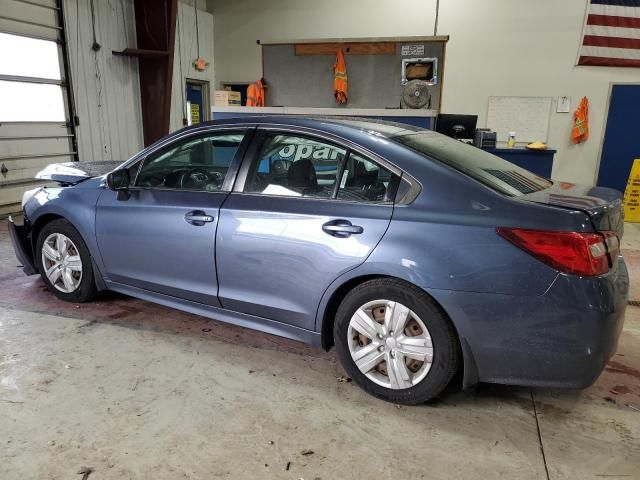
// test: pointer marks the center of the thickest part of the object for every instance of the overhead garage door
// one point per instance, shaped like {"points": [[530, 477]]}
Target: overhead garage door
{"points": [[35, 106]]}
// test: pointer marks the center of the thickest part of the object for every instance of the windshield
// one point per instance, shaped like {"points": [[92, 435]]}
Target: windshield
{"points": [[488, 169]]}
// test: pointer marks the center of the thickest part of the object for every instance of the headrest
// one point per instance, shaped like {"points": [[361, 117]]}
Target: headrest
{"points": [[302, 174]]}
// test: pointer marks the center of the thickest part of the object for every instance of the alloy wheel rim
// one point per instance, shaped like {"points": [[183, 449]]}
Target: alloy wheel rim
{"points": [[390, 344], [62, 263]]}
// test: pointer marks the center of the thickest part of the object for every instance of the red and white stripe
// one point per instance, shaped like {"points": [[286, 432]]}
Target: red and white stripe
{"points": [[611, 35]]}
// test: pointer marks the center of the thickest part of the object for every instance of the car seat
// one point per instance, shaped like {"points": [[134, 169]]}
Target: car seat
{"points": [[302, 176]]}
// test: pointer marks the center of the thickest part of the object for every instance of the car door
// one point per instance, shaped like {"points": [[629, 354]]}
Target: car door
{"points": [[290, 228], [160, 234]]}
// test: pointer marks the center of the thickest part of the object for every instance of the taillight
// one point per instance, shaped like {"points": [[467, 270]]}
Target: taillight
{"points": [[577, 253]]}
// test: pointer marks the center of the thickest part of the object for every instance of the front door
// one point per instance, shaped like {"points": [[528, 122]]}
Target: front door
{"points": [[197, 101], [290, 228], [622, 137], [161, 235]]}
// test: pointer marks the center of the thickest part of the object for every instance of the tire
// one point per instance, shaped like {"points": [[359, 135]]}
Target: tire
{"points": [[421, 381], [80, 286]]}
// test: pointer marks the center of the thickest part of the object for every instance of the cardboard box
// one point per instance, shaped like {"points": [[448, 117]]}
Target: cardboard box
{"points": [[226, 98]]}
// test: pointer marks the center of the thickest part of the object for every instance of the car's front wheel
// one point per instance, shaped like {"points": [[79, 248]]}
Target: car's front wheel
{"points": [[64, 262], [395, 341]]}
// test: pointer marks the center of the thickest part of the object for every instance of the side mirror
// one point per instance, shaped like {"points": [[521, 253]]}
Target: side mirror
{"points": [[118, 180]]}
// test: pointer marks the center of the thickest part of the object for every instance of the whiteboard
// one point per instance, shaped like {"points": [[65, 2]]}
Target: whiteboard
{"points": [[527, 116]]}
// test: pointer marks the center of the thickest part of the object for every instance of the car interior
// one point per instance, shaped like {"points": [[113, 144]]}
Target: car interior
{"points": [[300, 167], [198, 164]]}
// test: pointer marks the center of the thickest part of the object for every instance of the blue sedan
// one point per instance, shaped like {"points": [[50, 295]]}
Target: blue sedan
{"points": [[415, 255]]}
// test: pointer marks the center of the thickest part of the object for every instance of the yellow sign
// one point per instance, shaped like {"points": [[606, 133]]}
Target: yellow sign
{"points": [[195, 113], [632, 194]]}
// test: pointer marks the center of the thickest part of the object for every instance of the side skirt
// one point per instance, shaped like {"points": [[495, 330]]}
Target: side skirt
{"points": [[235, 318]]}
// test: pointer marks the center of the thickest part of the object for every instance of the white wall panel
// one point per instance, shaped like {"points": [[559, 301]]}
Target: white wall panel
{"points": [[186, 52], [106, 87]]}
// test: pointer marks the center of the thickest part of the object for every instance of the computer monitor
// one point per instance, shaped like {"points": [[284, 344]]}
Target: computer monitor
{"points": [[462, 127]]}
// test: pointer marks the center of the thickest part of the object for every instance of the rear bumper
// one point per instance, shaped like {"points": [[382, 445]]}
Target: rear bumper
{"points": [[20, 238], [563, 338]]}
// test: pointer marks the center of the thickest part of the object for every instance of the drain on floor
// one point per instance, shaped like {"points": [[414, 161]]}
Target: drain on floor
{"points": [[634, 303]]}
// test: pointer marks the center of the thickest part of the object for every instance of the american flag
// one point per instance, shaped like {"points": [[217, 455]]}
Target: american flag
{"points": [[611, 35]]}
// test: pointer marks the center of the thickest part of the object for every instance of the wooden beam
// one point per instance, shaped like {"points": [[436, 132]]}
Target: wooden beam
{"points": [[156, 33], [349, 48]]}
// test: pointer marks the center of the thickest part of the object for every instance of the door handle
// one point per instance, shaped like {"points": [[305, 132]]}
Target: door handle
{"points": [[198, 218], [341, 228]]}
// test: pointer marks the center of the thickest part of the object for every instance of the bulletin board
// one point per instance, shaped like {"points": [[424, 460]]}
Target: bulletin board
{"points": [[300, 73], [527, 116]]}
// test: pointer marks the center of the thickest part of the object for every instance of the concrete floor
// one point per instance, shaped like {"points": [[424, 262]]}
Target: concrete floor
{"points": [[134, 390]]}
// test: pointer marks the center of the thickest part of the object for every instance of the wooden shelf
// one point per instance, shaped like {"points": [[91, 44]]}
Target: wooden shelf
{"points": [[140, 52], [349, 48]]}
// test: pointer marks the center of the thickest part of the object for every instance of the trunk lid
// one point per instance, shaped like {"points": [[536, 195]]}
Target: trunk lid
{"points": [[72, 173], [603, 205]]}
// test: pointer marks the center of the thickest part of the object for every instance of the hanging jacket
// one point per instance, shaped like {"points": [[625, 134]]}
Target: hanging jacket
{"points": [[580, 132], [340, 78], [255, 94]]}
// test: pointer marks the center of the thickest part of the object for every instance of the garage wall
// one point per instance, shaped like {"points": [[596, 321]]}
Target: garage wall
{"points": [[186, 51], [34, 111], [497, 47], [106, 87]]}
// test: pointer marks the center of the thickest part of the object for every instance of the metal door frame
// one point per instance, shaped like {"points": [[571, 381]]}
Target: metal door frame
{"points": [[206, 95]]}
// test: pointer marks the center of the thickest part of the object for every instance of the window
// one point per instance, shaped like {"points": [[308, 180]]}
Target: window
{"points": [[366, 181], [196, 163], [296, 166], [23, 58], [488, 169], [28, 57]]}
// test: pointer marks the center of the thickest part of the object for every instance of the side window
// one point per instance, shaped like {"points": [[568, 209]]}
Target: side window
{"points": [[295, 166], [195, 163], [365, 181]]}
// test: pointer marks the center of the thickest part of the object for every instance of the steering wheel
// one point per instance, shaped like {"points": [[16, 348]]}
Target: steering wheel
{"points": [[198, 179]]}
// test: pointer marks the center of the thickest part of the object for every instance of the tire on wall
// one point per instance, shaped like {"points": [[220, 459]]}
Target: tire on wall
{"points": [[411, 365], [65, 263]]}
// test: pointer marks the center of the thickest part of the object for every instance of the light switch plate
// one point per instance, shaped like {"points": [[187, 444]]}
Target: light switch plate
{"points": [[564, 105]]}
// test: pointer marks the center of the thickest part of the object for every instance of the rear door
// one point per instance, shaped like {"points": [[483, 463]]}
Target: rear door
{"points": [[160, 236], [305, 209]]}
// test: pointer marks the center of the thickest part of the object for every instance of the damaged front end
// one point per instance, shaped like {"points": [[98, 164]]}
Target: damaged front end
{"points": [[21, 240]]}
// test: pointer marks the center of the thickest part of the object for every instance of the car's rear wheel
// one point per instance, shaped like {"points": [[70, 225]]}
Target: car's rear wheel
{"points": [[64, 262], [395, 341]]}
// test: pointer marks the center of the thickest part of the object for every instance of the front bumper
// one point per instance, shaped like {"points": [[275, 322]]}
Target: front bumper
{"points": [[563, 338], [20, 238]]}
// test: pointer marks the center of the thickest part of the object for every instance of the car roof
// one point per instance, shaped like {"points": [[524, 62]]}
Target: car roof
{"points": [[345, 124]]}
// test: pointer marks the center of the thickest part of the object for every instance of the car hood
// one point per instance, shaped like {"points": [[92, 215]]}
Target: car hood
{"points": [[603, 205], [71, 173]]}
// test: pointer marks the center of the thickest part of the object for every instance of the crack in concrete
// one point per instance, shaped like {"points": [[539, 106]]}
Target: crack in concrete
{"points": [[535, 415]]}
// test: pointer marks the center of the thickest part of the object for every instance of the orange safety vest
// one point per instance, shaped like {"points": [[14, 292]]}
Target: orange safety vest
{"points": [[340, 78], [580, 131], [255, 94]]}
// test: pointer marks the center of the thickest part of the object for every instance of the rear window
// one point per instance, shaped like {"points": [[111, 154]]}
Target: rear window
{"points": [[488, 169]]}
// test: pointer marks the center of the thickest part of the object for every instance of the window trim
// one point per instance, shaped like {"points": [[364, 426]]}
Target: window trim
{"points": [[227, 184]]}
